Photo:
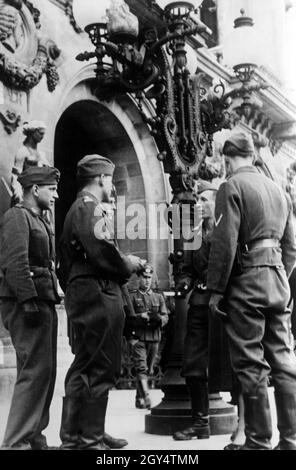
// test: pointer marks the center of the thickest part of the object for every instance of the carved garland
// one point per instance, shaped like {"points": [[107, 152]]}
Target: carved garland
{"points": [[22, 77]]}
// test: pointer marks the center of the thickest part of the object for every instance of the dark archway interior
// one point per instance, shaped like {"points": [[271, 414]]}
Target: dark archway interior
{"points": [[88, 127]]}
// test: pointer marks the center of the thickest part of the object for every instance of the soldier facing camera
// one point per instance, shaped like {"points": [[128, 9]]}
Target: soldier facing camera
{"points": [[28, 291], [145, 322]]}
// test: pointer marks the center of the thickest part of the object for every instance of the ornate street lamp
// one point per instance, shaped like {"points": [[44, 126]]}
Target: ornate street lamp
{"points": [[241, 51], [186, 117], [141, 67]]}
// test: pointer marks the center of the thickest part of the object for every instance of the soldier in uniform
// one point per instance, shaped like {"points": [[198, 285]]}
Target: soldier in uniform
{"points": [[252, 255], [92, 271], [206, 362], [28, 291], [149, 315]]}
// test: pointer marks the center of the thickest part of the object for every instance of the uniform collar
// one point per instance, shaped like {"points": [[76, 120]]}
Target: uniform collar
{"points": [[145, 291], [246, 169], [84, 193], [32, 210]]}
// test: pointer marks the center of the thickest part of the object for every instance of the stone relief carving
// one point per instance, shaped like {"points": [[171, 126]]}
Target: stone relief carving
{"points": [[13, 72], [10, 120], [69, 12], [34, 12], [23, 77], [10, 23]]}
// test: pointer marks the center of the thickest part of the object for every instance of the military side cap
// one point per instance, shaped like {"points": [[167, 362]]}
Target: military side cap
{"points": [[146, 270], [204, 185], [44, 175], [94, 165], [239, 144]]}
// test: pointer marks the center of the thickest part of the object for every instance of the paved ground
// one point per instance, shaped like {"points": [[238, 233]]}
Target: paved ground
{"points": [[124, 420]]}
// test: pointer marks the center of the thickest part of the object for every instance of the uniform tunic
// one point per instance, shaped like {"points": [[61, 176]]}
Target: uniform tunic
{"points": [[27, 266], [250, 208], [92, 271], [148, 332]]}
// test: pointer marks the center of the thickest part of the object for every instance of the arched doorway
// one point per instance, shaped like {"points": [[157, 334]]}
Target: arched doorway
{"points": [[115, 130], [88, 127]]}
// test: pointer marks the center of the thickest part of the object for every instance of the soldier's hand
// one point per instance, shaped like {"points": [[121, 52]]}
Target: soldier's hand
{"points": [[145, 316], [136, 262], [214, 302], [31, 314]]}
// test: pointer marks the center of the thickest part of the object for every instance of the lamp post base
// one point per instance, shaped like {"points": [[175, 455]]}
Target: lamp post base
{"points": [[174, 415]]}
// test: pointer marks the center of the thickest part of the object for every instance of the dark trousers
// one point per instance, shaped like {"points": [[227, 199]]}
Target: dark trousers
{"points": [[258, 327], [196, 345], [206, 352], [144, 357], [97, 317], [36, 373]]}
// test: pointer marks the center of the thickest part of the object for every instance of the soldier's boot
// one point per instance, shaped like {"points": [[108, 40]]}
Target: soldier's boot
{"points": [[92, 423], [70, 427], [139, 402], [114, 443], [258, 427], [144, 390], [286, 416], [200, 427], [40, 443]]}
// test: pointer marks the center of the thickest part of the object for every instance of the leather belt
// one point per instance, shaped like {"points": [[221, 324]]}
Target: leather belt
{"points": [[39, 263], [263, 243]]}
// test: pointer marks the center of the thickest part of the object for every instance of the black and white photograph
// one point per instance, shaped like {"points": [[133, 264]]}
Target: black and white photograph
{"points": [[147, 229]]}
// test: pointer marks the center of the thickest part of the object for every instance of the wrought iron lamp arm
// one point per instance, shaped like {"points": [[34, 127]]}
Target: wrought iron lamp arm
{"points": [[113, 51], [200, 28], [130, 88], [86, 56], [238, 93]]}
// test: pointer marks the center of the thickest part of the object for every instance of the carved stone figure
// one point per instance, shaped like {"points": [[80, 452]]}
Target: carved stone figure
{"points": [[10, 21], [28, 154]]}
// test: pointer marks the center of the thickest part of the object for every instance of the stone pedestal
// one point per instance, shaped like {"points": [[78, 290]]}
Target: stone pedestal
{"points": [[173, 415]]}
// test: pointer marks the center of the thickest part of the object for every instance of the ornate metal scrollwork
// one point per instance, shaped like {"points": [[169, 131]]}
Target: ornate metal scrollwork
{"points": [[186, 114]]}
